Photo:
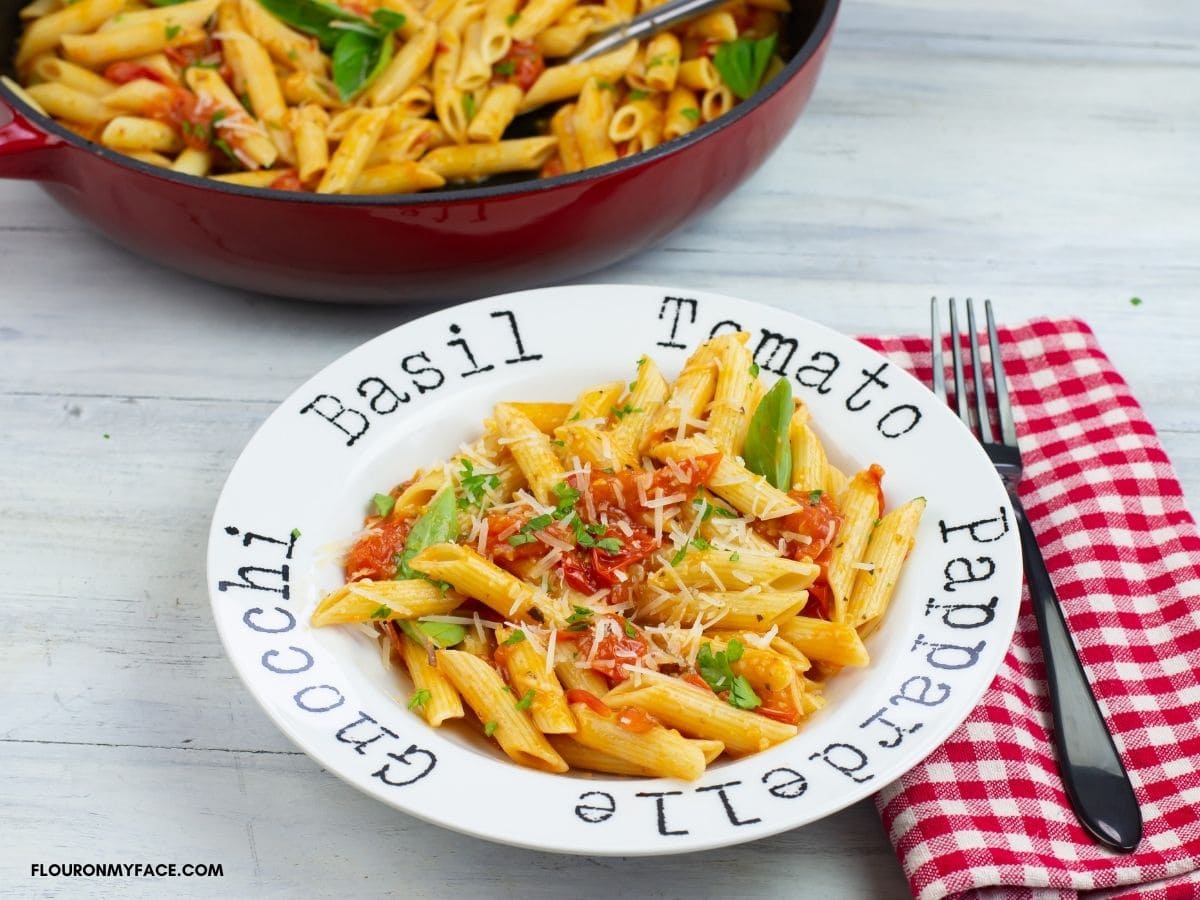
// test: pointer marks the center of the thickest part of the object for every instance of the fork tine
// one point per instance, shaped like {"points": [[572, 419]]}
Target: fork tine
{"points": [[985, 423], [960, 383], [935, 350], [1008, 430]]}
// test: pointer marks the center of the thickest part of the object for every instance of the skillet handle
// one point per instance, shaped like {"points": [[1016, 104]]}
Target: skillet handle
{"points": [[25, 150]]}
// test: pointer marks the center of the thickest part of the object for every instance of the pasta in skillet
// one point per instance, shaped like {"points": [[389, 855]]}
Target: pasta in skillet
{"points": [[382, 96], [637, 582]]}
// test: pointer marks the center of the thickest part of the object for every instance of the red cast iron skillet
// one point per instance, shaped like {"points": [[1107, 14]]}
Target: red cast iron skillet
{"points": [[448, 245]]}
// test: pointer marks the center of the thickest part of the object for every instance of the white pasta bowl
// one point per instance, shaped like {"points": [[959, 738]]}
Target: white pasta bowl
{"points": [[414, 394]]}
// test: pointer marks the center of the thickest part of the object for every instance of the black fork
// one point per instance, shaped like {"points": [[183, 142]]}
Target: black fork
{"points": [[1095, 780]]}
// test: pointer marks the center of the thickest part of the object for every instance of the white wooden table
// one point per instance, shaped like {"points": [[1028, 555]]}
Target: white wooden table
{"points": [[1041, 154]]}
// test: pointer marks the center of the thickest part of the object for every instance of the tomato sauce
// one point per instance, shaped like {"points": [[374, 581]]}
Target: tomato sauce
{"points": [[124, 71], [526, 62], [635, 720], [374, 556], [616, 649], [591, 701]]}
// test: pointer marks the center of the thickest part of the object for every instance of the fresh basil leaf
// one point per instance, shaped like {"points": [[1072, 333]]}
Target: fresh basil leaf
{"points": [[437, 525], [316, 18], [768, 447], [742, 63], [354, 57], [444, 634], [386, 18]]}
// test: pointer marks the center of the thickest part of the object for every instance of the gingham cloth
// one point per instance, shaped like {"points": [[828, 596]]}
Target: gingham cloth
{"points": [[985, 815]]}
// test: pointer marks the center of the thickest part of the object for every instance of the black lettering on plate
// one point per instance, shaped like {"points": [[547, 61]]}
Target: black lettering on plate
{"points": [[721, 792], [597, 810], [660, 804]]}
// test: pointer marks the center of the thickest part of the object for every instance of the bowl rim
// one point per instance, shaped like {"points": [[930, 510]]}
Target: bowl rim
{"points": [[816, 38]]}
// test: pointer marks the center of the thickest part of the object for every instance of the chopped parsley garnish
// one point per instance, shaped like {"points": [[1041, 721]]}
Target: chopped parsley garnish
{"points": [[515, 638], [605, 85], [1135, 301], [475, 485], [489, 728], [638, 94], [567, 497], [609, 545], [537, 523], [690, 113], [295, 531], [526, 700], [698, 542], [717, 671], [875, 524], [754, 370], [621, 412], [469, 106], [382, 612], [505, 67], [589, 536], [558, 443], [581, 616], [814, 497], [520, 539], [173, 31], [419, 699], [511, 18], [384, 504], [734, 556], [630, 631]]}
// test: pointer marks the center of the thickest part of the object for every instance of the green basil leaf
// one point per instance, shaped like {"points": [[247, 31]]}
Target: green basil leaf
{"points": [[354, 57], [444, 634], [742, 63], [316, 18], [386, 18], [768, 447], [437, 525]]}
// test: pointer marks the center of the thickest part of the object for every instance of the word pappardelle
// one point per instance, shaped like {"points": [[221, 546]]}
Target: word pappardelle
{"points": [[634, 583], [382, 96]]}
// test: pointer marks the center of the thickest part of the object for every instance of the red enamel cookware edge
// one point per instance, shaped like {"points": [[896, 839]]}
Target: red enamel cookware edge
{"points": [[448, 246]]}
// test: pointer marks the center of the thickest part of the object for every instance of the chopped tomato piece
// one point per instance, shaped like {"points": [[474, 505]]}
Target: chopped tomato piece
{"points": [[527, 64], [287, 181], [631, 718], [374, 556], [591, 701], [616, 649], [810, 530], [777, 705], [124, 71], [696, 681], [634, 548], [579, 573]]}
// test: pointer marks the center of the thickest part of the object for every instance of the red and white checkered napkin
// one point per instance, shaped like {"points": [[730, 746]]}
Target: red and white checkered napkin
{"points": [[985, 815]]}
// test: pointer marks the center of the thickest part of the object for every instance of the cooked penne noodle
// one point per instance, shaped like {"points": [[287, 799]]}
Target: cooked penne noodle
{"points": [[646, 394], [661, 62], [103, 47], [561, 82], [497, 36], [495, 113], [731, 395], [50, 68], [404, 177], [440, 699], [72, 104], [44, 33], [142, 95], [350, 158], [289, 48], [536, 15], [832, 642], [308, 125], [367, 601], [747, 492], [562, 127], [889, 546], [528, 672], [485, 693], [666, 754], [131, 133], [699, 74], [682, 115], [472, 575], [715, 103], [532, 451], [860, 507], [192, 162]]}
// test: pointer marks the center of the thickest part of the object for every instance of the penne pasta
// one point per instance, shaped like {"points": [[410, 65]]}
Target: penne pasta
{"points": [[597, 606]]}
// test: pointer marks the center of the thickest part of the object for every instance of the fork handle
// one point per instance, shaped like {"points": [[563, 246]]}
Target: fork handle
{"points": [[1093, 775]]}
